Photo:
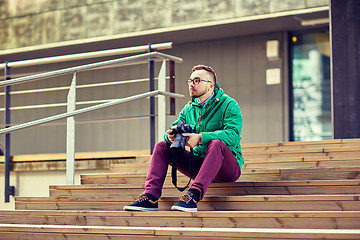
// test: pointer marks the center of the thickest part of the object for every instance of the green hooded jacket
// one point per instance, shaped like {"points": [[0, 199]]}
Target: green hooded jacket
{"points": [[219, 119]]}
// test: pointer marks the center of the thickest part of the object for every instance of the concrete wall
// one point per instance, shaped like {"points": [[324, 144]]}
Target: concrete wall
{"points": [[36, 22], [35, 184]]}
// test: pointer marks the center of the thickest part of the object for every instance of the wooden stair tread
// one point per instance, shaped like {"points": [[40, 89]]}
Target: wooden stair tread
{"points": [[177, 214], [184, 232], [215, 189], [244, 171], [232, 188], [342, 182], [245, 198], [303, 143], [265, 167], [350, 150], [247, 175], [216, 219], [349, 202], [291, 156]]}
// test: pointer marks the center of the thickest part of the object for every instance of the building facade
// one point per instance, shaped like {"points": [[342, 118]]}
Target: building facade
{"points": [[272, 56]]}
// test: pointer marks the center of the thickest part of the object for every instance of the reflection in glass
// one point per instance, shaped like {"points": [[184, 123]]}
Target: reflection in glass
{"points": [[311, 86]]}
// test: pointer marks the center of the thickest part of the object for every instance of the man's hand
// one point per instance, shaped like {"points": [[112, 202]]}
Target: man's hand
{"points": [[193, 140], [170, 135]]}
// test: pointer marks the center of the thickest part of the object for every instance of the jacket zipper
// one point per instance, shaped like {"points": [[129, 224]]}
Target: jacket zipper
{"points": [[200, 119]]}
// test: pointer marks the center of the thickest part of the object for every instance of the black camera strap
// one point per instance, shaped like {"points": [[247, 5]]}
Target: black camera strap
{"points": [[174, 169]]}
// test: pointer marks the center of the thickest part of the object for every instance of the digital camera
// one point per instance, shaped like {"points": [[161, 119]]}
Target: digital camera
{"points": [[178, 146]]}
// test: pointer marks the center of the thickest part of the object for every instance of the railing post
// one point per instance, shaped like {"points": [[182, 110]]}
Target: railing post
{"points": [[162, 101], [172, 86], [70, 134], [9, 190], [152, 101]]}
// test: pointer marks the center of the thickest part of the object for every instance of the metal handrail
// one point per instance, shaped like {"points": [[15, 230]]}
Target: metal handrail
{"points": [[86, 55], [88, 109], [149, 58], [140, 57], [90, 85]]}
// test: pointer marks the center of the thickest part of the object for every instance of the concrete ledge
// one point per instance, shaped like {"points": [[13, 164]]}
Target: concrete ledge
{"points": [[84, 160]]}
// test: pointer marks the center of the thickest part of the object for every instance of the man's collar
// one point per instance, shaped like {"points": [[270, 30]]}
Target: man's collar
{"points": [[207, 100]]}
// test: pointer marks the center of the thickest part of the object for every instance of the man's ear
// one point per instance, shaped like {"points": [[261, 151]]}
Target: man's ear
{"points": [[212, 86]]}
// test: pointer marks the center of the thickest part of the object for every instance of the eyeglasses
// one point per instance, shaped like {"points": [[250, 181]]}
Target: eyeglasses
{"points": [[196, 81]]}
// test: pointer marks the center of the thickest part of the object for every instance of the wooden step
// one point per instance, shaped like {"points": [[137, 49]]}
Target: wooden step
{"points": [[24, 231], [213, 219], [246, 176], [348, 202], [304, 156], [282, 146], [314, 149], [320, 173], [298, 165], [217, 189], [274, 164], [116, 178], [300, 148]]}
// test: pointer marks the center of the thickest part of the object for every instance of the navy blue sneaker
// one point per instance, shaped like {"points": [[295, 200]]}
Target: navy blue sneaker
{"points": [[144, 203], [187, 202]]}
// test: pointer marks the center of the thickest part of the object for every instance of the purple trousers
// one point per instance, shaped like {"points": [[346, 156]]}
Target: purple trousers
{"points": [[219, 165]]}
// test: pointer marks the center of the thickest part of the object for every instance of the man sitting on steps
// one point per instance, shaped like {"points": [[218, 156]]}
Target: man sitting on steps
{"points": [[216, 122]]}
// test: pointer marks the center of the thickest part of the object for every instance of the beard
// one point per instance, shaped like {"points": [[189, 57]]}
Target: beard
{"points": [[196, 94]]}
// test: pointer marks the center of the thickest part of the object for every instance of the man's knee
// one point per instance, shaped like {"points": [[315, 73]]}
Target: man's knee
{"points": [[216, 143], [161, 144]]}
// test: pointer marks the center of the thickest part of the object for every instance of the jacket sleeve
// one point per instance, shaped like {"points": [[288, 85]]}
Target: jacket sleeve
{"points": [[232, 124], [181, 118]]}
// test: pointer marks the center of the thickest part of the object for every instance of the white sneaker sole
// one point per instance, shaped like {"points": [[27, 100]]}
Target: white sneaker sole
{"points": [[183, 209], [141, 209]]}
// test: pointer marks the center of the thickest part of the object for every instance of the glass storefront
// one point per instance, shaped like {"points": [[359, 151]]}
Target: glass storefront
{"points": [[311, 92]]}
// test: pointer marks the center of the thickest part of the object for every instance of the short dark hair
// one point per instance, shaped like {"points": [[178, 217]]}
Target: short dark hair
{"points": [[206, 68]]}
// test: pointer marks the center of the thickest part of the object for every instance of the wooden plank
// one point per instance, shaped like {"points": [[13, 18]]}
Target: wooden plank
{"points": [[228, 189], [185, 232], [299, 159], [203, 206], [309, 155], [176, 214], [320, 142], [311, 145], [303, 165], [125, 179], [342, 182], [349, 202], [24, 235], [245, 198], [73, 236], [304, 151], [130, 168], [247, 174], [214, 219], [119, 178]]}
